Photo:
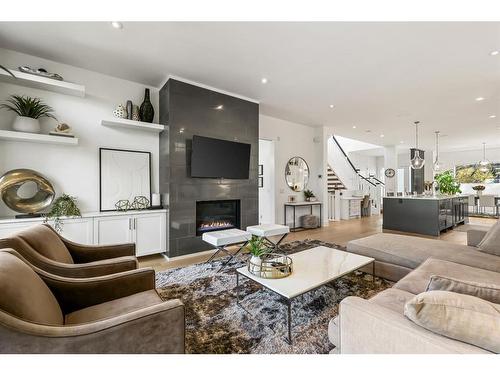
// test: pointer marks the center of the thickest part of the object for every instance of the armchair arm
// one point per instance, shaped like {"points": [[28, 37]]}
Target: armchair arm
{"points": [[154, 329], [75, 294], [475, 236]]}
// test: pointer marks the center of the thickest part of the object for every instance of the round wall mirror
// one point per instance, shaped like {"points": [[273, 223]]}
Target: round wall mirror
{"points": [[297, 174]]}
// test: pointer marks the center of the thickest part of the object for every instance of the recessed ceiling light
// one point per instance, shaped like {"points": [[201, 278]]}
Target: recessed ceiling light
{"points": [[264, 80], [382, 136], [331, 105], [479, 99], [117, 25], [354, 126], [492, 116], [219, 107], [401, 141], [494, 53]]}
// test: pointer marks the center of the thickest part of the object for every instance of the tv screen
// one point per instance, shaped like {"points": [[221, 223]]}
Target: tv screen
{"points": [[216, 158]]}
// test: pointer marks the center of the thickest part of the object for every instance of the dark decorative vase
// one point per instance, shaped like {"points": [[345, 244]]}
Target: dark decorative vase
{"points": [[146, 112], [129, 109]]}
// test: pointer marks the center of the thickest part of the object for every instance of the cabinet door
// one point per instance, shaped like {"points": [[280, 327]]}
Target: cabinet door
{"points": [[7, 230], [111, 230], [78, 230], [150, 233]]}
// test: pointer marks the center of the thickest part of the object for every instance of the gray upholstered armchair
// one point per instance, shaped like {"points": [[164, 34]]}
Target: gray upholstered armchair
{"points": [[43, 247], [118, 313]]}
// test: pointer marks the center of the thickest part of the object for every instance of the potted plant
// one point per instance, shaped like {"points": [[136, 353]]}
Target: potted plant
{"points": [[447, 183], [479, 189], [65, 205], [29, 111], [309, 195], [257, 248]]}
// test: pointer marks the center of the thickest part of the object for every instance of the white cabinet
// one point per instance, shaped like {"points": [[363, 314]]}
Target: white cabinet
{"points": [[350, 207], [79, 230], [111, 230], [9, 229], [149, 233]]}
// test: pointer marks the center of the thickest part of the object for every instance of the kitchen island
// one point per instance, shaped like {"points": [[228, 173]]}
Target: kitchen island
{"points": [[429, 215]]}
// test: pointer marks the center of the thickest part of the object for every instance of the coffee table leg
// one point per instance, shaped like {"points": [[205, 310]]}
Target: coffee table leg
{"points": [[237, 288], [289, 307], [373, 272]]}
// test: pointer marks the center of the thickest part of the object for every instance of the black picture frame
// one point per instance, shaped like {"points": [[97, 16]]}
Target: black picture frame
{"points": [[261, 182], [101, 149]]}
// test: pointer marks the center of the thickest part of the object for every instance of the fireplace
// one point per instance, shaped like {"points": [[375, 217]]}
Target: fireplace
{"points": [[217, 215]]}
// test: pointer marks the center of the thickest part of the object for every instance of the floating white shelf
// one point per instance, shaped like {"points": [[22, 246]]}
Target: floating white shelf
{"points": [[42, 83], [8, 135], [131, 124]]}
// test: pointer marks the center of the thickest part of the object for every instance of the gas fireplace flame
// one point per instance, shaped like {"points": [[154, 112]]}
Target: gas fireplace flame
{"points": [[216, 224]]}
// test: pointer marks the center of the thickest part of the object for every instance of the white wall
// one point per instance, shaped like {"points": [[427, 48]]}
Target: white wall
{"points": [[366, 164], [291, 140], [267, 211], [75, 170]]}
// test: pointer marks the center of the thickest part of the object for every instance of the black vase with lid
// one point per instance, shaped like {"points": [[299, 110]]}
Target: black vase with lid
{"points": [[146, 111]]}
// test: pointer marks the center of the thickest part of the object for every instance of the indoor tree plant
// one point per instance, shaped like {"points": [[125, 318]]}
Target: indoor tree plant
{"points": [[29, 111], [447, 183], [257, 248], [65, 205]]}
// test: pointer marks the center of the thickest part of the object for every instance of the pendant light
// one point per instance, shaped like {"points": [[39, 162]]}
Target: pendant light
{"points": [[417, 162], [484, 165], [437, 164]]}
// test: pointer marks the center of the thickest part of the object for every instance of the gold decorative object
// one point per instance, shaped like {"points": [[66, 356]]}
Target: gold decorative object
{"points": [[272, 266], [122, 205], [10, 183], [140, 203]]}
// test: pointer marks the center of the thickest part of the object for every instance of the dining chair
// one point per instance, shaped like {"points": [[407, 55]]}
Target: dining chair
{"points": [[472, 203], [487, 201]]}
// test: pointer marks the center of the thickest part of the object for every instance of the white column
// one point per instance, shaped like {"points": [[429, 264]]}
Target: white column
{"points": [[391, 161], [428, 167], [321, 140]]}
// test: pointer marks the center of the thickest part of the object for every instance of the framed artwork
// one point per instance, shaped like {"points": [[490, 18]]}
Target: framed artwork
{"points": [[261, 169], [123, 174], [261, 182]]}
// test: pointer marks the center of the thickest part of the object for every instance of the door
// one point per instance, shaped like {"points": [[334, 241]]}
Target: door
{"points": [[266, 182], [110, 230], [149, 233]]}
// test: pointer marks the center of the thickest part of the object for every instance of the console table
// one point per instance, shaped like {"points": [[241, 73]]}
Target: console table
{"points": [[294, 205]]}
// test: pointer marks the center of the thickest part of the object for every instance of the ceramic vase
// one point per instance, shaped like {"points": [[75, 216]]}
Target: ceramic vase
{"points": [[120, 111], [135, 113], [255, 263], [146, 111], [26, 124], [129, 109]]}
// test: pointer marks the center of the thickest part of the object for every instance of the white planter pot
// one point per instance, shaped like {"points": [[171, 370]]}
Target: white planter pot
{"points": [[26, 124], [255, 263]]}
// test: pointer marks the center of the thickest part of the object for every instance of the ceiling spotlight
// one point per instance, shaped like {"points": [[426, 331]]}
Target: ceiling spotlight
{"points": [[479, 99], [219, 107], [331, 105], [494, 53], [117, 25], [354, 126], [264, 80], [492, 116]]}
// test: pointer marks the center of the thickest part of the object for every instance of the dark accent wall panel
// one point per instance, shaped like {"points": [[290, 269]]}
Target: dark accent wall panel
{"points": [[191, 110]]}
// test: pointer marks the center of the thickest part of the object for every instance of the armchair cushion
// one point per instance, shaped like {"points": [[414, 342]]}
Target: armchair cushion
{"points": [[113, 308], [47, 243], [491, 241], [24, 294]]}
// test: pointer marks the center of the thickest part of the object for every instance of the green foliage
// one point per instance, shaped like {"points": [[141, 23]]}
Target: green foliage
{"points": [[65, 205], [447, 183], [7, 70], [308, 194], [470, 175], [28, 107], [257, 247]]}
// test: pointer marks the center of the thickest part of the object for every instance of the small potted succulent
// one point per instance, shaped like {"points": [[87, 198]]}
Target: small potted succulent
{"points": [[29, 111], [65, 205], [309, 196], [479, 189], [257, 248]]}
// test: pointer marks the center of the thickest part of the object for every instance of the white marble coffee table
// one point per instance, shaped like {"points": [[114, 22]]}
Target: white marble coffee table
{"points": [[312, 269]]}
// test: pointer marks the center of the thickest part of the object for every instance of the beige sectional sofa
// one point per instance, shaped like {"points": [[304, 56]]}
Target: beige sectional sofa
{"points": [[378, 325]]}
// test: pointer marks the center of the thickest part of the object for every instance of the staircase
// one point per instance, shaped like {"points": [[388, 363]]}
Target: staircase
{"points": [[333, 182]]}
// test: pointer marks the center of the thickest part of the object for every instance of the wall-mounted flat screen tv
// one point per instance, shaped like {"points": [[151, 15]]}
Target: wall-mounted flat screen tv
{"points": [[217, 158]]}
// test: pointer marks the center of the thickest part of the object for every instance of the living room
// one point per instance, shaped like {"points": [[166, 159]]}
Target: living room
{"points": [[249, 187]]}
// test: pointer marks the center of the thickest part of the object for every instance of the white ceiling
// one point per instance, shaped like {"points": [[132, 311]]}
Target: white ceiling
{"points": [[380, 76]]}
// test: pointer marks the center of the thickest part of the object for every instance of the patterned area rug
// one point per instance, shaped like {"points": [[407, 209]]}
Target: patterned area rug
{"points": [[215, 323]]}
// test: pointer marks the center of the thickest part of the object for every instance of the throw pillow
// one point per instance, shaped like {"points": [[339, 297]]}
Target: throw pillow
{"points": [[457, 316], [491, 241], [488, 292]]}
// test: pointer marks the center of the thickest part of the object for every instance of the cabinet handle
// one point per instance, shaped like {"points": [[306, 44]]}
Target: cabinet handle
{"points": [[135, 223], [129, 224]]}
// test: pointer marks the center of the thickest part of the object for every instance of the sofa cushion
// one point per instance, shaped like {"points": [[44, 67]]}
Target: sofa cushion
{"points": [[410, 252], [416, 282], [458, 316], [114, 307], [392, 299], [489, 292], [491, 241], [45, 241], [24, 294]]}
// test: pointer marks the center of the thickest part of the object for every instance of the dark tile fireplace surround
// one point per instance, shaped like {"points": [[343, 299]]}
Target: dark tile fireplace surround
{"points": [[191, 110]]}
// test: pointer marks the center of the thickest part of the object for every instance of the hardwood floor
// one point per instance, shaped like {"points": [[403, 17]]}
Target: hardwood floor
{"points": [[339, 232]]}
